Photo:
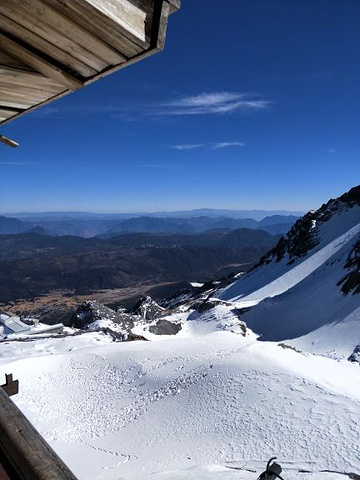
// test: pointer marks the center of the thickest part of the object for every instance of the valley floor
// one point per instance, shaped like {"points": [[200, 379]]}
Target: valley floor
{"points": [[190, 406]]}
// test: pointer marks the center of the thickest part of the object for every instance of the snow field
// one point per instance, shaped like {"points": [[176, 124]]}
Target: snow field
{"points": [[188, 407]]}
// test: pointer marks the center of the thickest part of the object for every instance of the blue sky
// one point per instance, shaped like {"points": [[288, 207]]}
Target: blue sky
{"points": [[254, 104]]}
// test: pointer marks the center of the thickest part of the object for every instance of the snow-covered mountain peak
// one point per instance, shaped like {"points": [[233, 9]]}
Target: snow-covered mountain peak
{"points": [[323, 225], [299, 290]]}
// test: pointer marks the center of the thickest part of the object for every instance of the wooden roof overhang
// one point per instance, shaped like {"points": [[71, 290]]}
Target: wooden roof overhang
{"points": [[49, 48]]}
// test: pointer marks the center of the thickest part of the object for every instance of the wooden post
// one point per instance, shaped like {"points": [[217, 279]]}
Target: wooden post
{"points": [[8, 141], [24, 453], [11, 387]]}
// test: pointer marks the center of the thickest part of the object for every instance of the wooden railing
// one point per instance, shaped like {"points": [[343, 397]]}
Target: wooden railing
{"points": [[24, 454]]}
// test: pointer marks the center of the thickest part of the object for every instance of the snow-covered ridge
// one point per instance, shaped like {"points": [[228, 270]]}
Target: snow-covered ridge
{"points": [[293, 275], [305, 233], [306, 296]]}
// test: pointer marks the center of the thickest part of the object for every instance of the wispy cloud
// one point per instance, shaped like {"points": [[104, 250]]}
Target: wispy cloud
{"points": [[216, 146], [157, 165], [207, 146], [187, 146], [206, 103], [330, 150], [214, 103]]}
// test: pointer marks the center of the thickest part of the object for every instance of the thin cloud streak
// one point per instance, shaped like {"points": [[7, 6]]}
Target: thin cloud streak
{"points": [[216, 146], [213, 103], [187, 146], [209, 146]]}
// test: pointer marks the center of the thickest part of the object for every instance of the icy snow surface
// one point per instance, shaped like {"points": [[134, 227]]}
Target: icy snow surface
{"points": [[188, 407], [304, 299]]}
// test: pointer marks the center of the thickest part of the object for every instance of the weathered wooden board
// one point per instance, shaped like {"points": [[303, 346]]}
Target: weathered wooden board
{"points": [[49, 48], [8, 113], [39, 64], [99, 25], [30, 457], [8, 61], [30, 38], [14, 77], [50, 25]]}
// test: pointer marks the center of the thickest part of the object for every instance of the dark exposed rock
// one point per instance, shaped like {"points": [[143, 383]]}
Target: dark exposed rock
{"points": [[164, 327], [209, 304], [296, 243], [355, 356], [91, 311], [147, 309], [351, 281], [122, 337]]}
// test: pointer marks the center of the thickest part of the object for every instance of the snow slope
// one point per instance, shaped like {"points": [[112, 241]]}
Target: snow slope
{"points": [[291, 299], [190, 407]]}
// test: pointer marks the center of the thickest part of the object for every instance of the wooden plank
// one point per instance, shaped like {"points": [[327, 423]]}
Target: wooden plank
{"points": [[7, 112], [160, 21], [34, 107], [26, 78], [14, 102], [65, 33], [123, 13], [27, 93], [99, 25], [157, 41], [25, 449], [8, 61], [29, 37], [39, 64]]}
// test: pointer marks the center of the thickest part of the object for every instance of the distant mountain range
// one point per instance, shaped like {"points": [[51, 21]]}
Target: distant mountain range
{"points": [[85, 225], [32, 264], [200, 212]]}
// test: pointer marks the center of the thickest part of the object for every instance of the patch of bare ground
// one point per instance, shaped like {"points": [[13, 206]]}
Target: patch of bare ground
{"points": [[59, 305]]}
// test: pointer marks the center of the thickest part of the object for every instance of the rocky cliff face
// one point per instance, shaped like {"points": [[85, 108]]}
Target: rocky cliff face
{"points": [[351, 282], [303, 236]]}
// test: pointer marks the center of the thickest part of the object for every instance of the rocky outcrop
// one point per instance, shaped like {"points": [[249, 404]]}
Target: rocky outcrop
{"points": [[147, 309], [164, 327], [355, 356], [91, 311]]}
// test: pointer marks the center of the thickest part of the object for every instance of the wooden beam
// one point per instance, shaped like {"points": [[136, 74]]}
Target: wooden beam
{"points": [[23, 111], [25, 450], [14, 388], [37, 41], [7, 60], [23, 78], [38, 63], [124, 13], [62, 31], [99, 25], [30, 94], [8, 112], [159, 24]]}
